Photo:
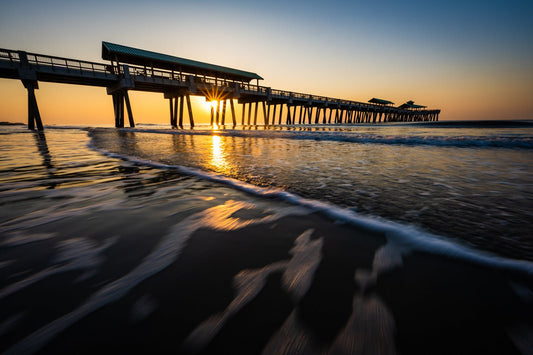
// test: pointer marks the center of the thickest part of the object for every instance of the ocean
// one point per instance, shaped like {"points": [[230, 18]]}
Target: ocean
{"points": [[394, 238]]}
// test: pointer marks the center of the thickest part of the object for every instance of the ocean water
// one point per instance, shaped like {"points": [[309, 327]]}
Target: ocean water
{"points": [[472, 184], [409, 238]]}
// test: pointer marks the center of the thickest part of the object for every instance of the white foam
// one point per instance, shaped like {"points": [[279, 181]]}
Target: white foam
{"points": [[73, 254], [298, 273], [164, 254], [306, 256], [408, 236], [16, 238], [512, 142]]}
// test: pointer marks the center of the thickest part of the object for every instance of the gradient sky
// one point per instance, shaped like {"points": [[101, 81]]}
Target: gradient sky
{"points": [[472, 59]]}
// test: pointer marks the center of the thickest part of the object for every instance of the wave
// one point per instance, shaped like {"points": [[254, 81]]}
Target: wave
{"points": [[406, 237], [307, 133]]}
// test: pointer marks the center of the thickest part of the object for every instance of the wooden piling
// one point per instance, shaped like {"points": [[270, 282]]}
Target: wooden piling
{"points": [[175, 116], [171, 107], [181, 111], [265, 117], [233, 112], [128, 107], [189, 107], [224, 105], [34, 116], [249, 112], [218, 113]]}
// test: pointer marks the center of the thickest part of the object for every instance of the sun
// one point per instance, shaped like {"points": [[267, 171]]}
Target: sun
{"points": [[210, 104]]}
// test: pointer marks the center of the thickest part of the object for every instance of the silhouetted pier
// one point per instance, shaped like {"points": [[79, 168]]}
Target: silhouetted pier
{"points": [[178, 78]]}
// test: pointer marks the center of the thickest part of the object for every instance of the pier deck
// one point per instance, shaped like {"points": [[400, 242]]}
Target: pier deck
{"points": [[177, 78]]}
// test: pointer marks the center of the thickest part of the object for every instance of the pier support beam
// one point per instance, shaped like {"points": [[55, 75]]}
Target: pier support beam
{"points": [[189, 106], [118, 103], [128, 107], [121, 99], [34, 117], [265, 116], [218, 113], [249, 113], [224, 106], [174, 122], [181, 111], [255, 113], [171, 108], [232, 105]]}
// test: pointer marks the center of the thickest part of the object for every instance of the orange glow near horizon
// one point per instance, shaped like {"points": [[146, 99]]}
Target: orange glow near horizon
{"points": [[63, 104]]}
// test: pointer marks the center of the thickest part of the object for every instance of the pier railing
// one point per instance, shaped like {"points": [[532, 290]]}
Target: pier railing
{"points": [[54, 63], [67, 64], [9, 55]]}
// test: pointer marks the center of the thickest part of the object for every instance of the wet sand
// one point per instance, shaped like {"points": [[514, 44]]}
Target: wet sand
{"points": [[235, 291]]}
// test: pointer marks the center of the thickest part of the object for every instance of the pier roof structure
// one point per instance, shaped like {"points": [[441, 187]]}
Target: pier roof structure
{"points": [[130, 55], [380, 101], [411, 104]]}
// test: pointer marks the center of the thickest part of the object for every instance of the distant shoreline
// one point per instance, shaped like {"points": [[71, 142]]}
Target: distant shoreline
{"points": [[3, 123], [475, 123]]}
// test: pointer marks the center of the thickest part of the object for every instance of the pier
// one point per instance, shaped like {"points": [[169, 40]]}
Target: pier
{"points": [[177, 79]]}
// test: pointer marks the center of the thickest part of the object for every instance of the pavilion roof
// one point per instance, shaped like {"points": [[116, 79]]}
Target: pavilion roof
{"points": [[130, 55]]}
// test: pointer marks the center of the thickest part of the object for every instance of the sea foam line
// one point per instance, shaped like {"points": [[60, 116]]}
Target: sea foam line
{"points": [[352, 137], [406, 236]]}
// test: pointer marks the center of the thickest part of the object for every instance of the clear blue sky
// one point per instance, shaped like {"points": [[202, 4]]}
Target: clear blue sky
{"points": [[472, 59]]}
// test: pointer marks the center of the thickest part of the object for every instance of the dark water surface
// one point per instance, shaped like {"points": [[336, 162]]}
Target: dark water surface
{"points": [[158, 250]]}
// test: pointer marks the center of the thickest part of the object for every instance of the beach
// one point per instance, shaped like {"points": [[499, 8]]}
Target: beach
{"points": [[288, 241]]}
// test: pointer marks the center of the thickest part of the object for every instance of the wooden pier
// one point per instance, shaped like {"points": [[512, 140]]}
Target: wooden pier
{"points": [[178, 78]]}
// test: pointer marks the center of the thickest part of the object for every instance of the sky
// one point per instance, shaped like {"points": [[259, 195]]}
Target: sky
{"points": [[471, 59]]}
